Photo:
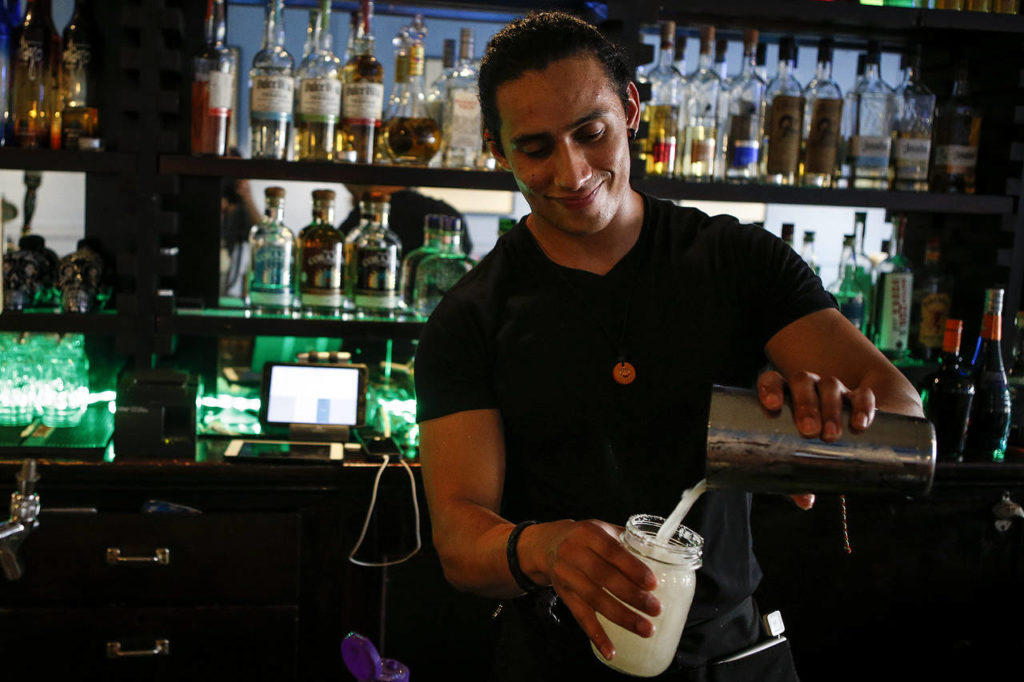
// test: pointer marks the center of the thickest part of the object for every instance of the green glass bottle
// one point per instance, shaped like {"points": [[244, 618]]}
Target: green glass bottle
{"points": [[893, 292], [846, 288]]}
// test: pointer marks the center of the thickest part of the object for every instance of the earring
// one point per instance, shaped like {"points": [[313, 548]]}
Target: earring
{"points": [[630, 134]]}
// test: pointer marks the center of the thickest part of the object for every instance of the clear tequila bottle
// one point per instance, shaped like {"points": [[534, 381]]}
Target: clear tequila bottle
{"points": [[318, 95], [700, 117], [439, 272], [746, 110], [321, 259], [872, 115], [807, 251], [271, 89], [438, 89], [915, 110], [865, 268], [215, 71], [461, 143], [722, 108], [823, 114], [784, 119], [846, 130], [362, 98], [432, 225], [271, 281], [662, 111], [373, 261]]}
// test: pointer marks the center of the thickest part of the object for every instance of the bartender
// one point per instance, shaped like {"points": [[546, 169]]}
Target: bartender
{"points": [[563, 384]]}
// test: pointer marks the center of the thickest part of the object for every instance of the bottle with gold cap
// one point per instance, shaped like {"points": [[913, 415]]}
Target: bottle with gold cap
{"points": [[373, 259], [321, 259], [410, 134], [271, 280], [947, 396]]}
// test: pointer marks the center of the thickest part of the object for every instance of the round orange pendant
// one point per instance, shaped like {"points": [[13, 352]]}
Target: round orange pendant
{"points": [[623, 373]]}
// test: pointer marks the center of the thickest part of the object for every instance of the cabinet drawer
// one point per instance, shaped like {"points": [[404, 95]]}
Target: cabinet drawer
{"points": [[219, 643], [118, 558]]}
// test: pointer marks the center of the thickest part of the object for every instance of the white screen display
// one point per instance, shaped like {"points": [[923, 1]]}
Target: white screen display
{"points": [[313, 395]]}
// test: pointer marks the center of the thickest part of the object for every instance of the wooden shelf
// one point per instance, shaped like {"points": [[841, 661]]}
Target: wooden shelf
{"points": [[235, 322]]}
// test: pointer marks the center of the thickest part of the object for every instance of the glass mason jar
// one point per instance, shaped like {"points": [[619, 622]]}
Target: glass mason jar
{"points": [[674, 563]]}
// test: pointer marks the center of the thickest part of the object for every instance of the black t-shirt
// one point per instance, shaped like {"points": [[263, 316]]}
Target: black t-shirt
{"points": [[693, 303]]}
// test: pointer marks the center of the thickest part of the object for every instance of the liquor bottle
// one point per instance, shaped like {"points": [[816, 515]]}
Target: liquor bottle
{"points": [[432, 225], [979, 5], [846, 130], [745, 112], [931, 304], [865, 269], [915, 109], [213, 86], [321, 259], [436, 95], [271, 281], [1015, 377], [846, 289], [311, 34], [762, 62], [949, 4], [721, 108], [80, 117], [784, 119], [679, 58], [362, 96], [318, 96], [461, 141], [373, 261], [700, 114], [1006, 6], [893, 292], [36, 84], [823, 114], [947, 395], [807, 252], [662, 111], [871, 142], [272, 89], [439, 272], [955, 141], [411, 136], [6, 29], [989, 425], [787, 234]]}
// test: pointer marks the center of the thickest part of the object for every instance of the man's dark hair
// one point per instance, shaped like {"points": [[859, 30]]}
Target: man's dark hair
{"points": [[531, 44]]}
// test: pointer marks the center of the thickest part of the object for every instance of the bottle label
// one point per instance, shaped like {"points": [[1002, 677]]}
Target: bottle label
{"points": [[871, 151], [664, 151], [377, 271], [320, 99], [934, 311], [464, 127], [272, 97], [30, 55], [222, 91], [322, 269], [894, 316], [702, 150], [823, 136], [272, 267], [75, 59], [784, 131], [745, 151], [362, 103], [956, 158], [852, 309]]}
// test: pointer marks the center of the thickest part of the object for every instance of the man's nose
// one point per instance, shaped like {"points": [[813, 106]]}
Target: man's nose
{"points": [[572, 168]]}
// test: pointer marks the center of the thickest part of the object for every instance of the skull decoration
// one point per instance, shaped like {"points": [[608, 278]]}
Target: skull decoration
{"points": [[78, 279]]}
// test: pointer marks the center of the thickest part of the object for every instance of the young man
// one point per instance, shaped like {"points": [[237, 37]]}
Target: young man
{"points": [[567, 377]]}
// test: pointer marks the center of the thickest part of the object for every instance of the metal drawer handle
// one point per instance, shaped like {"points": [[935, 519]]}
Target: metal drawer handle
{"points": [[161, 647], [161, 556]]}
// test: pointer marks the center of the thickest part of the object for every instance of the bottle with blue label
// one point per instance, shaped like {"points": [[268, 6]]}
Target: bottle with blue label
{"points": [[745, 117]]}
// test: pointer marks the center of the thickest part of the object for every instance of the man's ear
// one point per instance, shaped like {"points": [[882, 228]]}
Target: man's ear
{"points": [[493, 146]]}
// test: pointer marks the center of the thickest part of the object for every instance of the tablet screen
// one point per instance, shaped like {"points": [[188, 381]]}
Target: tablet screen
{"points": [[314, 394]]}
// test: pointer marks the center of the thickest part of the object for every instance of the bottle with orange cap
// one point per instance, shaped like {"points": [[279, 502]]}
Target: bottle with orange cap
{"points": [[948, 395]]}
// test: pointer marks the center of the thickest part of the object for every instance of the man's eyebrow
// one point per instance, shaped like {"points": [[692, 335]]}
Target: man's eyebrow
{"points": [[520, 140]]}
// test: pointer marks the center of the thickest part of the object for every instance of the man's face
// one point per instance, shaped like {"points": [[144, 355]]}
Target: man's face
{"points": [[563, 130]]}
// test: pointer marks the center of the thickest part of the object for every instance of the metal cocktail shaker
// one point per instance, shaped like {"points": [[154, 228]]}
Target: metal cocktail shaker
{"points": [[753, 449]]}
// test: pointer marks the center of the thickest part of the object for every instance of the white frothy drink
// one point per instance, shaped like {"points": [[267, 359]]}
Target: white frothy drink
{"points": [[673, 554]]}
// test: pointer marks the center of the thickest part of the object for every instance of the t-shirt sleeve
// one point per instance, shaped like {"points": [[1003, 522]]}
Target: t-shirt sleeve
{"points": [[453, 363], [777, 284]]}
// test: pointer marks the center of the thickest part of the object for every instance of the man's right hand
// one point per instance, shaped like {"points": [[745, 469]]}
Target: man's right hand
{"points": [[592, 573]]}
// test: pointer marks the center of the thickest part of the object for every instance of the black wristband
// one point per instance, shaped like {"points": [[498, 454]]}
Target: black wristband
{"points": [[511, 553]]}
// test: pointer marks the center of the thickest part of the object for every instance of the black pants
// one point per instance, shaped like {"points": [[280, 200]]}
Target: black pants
{"points": [[540, 640]]}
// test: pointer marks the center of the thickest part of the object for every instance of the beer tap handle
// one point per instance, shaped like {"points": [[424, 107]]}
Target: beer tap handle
{"points": [[27, 477]]}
